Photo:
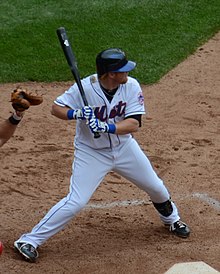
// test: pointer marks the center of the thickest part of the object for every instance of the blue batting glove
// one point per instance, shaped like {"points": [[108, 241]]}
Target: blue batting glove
{"points": [[75, 114], [88, 112], [96, 125], [84, 113]]}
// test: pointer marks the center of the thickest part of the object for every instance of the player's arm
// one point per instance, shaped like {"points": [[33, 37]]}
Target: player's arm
{"points": [[60, 111], [65, 113], [8, 127], [129, 125]]}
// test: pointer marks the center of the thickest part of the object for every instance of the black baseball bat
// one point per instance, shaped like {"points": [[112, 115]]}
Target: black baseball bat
{"points": [[71, 60]]}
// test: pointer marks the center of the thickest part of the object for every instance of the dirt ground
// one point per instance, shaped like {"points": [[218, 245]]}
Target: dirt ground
{"points": [[120, 231]]}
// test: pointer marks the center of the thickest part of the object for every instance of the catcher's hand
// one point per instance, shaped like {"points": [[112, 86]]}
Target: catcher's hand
{"points": [[22, 99]]}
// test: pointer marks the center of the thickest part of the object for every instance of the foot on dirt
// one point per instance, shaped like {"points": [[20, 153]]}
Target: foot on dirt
{"points": [[180, 229], [28, 252]]}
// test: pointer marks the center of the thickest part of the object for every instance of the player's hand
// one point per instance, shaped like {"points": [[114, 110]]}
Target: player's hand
{"points": [[84, 113], [88, 112], [96, 125], [77, 114]]}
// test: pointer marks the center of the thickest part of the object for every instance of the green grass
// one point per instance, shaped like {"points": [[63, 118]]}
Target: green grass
{"points": [[157, 34]]}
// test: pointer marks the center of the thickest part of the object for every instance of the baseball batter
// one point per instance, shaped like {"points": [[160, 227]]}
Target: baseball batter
{"points": [[116, 105]]}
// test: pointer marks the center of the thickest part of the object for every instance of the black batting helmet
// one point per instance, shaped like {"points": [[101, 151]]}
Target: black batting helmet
{"points": [[113, 60]]}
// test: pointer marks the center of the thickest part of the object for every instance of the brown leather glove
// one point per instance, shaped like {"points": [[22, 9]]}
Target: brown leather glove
{"points": [[22, 99]]}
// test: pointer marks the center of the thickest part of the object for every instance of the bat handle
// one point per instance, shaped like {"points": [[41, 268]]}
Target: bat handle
{"points": [[96, 135]]}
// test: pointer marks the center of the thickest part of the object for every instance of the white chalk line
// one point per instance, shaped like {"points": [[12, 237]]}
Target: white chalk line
{"points": [[209, 200], [201, 196], [118, 203]]}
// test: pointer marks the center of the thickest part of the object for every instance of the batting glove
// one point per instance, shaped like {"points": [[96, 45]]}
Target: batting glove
{"points": [[88, 112], [84, 113], [96, 125], [75, 114]]}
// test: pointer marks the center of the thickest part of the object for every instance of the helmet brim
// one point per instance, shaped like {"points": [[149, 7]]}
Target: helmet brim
{"points": [[126, 68]]}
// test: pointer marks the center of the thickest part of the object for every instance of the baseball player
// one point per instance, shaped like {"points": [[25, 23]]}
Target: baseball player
{"points": [[116, 105]]}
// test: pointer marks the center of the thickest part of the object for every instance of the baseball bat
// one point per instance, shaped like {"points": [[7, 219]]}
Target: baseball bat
{"points": [[71, 60]]}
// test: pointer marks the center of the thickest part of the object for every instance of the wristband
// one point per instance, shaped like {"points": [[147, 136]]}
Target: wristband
{"points": [[70, 114], [111, 128], [14, 119]]}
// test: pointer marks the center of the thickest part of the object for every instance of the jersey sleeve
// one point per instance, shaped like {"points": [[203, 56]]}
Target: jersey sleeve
{"points": [[136, 117], [70, 98]]}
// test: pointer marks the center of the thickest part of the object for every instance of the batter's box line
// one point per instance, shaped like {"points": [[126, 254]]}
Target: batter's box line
{"points": [[117, 204], [207, 199], [201, 196]]}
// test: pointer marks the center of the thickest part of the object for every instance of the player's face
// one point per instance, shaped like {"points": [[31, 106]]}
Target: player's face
{"points": [[121, 77]]}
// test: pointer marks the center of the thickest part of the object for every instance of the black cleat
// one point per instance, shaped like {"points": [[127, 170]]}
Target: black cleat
{"points": [[27, 251], [180, 229]]}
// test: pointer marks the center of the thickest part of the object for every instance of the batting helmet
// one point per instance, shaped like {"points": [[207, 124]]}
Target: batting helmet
{"points": [[113, 60]]}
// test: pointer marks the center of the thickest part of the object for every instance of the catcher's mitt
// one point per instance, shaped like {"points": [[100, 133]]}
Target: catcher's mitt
{"points": [[22, 99]]}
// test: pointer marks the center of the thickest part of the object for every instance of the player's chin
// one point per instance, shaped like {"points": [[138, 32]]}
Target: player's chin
{"points": [[124, 80]]}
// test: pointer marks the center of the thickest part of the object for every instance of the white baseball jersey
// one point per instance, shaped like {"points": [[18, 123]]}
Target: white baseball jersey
{"points": [[128, 100]]}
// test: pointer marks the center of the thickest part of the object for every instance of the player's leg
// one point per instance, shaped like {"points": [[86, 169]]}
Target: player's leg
{"points": [[88, 172], [134, 165]]}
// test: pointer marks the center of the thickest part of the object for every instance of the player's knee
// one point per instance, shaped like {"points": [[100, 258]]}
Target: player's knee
{"points": [[80, 203], [74, 206], [164, 208]]}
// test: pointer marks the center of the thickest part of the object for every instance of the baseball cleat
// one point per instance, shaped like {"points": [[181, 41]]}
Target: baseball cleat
{"points": [[27, 251], [180, 229]]}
